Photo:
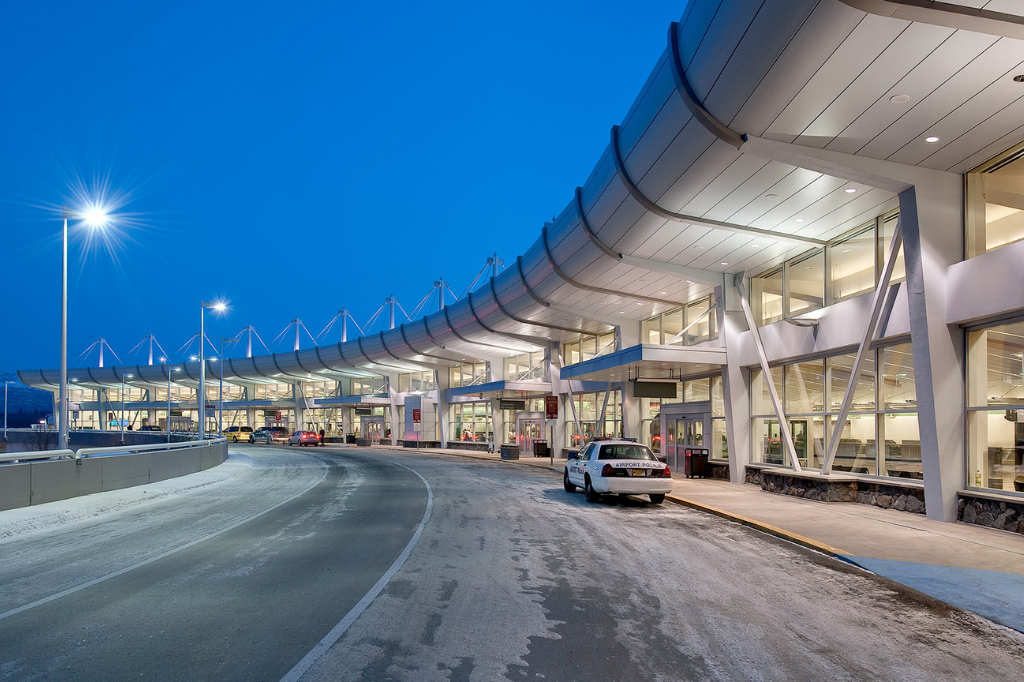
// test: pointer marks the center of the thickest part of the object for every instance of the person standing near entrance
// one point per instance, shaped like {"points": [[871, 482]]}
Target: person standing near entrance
{"points": [[321, 437]]}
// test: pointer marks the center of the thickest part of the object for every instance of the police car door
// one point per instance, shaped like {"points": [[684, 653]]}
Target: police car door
{"points": [[576, 465]]}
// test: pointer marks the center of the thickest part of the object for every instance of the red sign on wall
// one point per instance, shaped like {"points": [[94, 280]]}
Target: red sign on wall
{"points": [[415, 415], [551, 407]]}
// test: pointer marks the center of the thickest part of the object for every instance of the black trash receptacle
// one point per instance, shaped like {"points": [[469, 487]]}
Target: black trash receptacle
{"points": [[696, 462], [540, 448]]}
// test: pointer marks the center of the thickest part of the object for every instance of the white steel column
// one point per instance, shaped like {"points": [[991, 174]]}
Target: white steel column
{"points": [[735, 384], [396, 427], [930, 215]]}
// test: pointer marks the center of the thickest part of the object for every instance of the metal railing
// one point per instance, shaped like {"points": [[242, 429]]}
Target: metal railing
{"points": [[82, 453]]}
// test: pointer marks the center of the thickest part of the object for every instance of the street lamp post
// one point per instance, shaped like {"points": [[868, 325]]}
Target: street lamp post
{"points": [[220, 392], [95, 216], [5, 409], [123, 377], [203, 305]]}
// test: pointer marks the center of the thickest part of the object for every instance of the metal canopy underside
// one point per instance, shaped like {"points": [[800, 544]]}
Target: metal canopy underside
{"points": [[647, 361], [504, 389]]}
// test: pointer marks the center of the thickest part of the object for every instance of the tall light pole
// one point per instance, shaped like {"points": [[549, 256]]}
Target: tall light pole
{"points": [[123, 377], [218, 306], [94, 216], [220, 392], [5, 409]]}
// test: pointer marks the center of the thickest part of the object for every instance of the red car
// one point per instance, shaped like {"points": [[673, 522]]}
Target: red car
{"points": [[304, 438]]}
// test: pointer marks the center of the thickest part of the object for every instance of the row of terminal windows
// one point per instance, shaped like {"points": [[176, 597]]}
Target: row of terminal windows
{"points": [[846, 267], [691, 324]]}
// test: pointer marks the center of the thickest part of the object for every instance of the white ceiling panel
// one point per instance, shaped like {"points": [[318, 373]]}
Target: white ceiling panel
{"points": [[871, 37], [726, 30], [977, 113], [749, 190], [824, 31], [966, 83], [712, 162], [735, 174], [785, 187], [911, 47], [949, 57]]}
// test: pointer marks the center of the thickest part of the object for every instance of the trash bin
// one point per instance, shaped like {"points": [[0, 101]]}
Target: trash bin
{"points": [[696, 462], [510, 452], [540, 448]]}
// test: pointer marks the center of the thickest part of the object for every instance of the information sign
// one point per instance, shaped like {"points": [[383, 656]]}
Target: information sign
{"points": [[551, 407], [518, 405], [416, 415]]}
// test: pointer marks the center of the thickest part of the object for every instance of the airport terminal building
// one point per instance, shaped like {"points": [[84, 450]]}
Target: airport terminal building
{"points": [[801, 249]]}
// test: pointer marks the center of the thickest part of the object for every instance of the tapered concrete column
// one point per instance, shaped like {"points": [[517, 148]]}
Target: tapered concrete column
{"points": [[930, 218], [396, 427], [735, 382], [627, 336], [443, 382], [556, 436], [300, 405]]}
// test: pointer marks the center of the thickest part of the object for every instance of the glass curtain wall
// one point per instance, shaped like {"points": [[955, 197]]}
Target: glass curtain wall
{"points": [[883, 410], [667, 328], [586, 347], [470, 374], [588, 412], [471, 422], [995, 408], [848, 266], [526, 366]]}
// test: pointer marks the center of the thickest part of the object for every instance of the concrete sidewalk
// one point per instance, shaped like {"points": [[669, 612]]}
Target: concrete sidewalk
{"points": [[974, 568]]}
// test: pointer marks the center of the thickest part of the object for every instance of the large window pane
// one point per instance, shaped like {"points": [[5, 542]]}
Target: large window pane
{"points": [[840, 368], [995, 366], [899, 391], [852, 269], [696, 391], [719, 440], [995, 195], [650, 330], [899, 270], [760, 398], [996, 449], [672, 324], [805, 387], [901, 456], [856, 452], [699, 331], [805, 283], [767, 296]]}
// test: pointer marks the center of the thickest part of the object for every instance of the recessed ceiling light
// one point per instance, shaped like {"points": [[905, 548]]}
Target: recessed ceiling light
{"points": [[851, 190], [807, 267], [899, 99], [639, 303], [1019, 78], [771, 197], [622, 312], [664, 293], [689, 281], [699, 248], [799, 220], [846, 251], [931, 139], [756, 246], [724, 263]]}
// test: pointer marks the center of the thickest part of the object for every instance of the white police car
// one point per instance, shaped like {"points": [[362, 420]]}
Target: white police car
{"points": [[618, 467]]}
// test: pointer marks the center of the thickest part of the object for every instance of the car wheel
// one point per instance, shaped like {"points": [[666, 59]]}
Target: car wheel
{"points": [[657, 499], [569, 486], [588, 490]]}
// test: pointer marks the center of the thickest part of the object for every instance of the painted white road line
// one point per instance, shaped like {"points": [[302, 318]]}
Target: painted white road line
{"points": [[335, 634]]}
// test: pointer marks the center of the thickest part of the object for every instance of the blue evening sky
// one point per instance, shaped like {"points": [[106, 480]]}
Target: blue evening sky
{"points": [[294, 158]]}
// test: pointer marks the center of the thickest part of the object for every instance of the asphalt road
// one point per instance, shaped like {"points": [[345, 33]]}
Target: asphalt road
{"points": [[316, 564]]}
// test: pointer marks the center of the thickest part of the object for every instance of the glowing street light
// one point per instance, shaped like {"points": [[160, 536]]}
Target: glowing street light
{"points": [[218, 307], [96, 216]]}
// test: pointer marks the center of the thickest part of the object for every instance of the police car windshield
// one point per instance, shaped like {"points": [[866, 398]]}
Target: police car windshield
{"points": [[625, 452]]}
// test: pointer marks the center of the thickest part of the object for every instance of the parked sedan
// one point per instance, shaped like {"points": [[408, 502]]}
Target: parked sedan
{"points": [[618, 467], [304, 438]]}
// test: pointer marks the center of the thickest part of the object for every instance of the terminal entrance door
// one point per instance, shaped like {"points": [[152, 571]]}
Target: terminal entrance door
{"points": [[684, 425], [529, 429], [371, 429]]}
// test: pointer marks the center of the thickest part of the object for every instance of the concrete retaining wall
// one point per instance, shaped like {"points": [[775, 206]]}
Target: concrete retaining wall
{"points": [[899, 496], [31, 483]]}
